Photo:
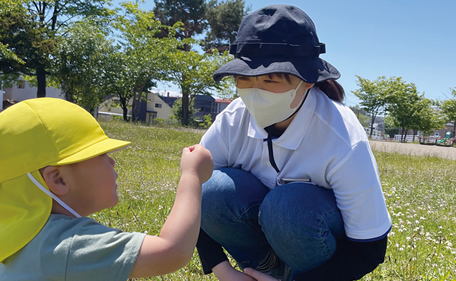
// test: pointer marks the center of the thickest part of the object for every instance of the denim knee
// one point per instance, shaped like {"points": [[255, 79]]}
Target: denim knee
{"points": [[231, 190], [302, 224]]}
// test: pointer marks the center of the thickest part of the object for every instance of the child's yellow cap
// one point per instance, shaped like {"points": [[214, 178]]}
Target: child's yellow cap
{"points": [[34, 134]]}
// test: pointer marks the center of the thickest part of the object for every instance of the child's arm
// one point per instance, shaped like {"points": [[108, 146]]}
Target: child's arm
{"points": [[175, 245]]}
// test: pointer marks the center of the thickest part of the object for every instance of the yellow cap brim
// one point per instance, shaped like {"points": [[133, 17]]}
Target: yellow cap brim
{"points": [[99, 148]]}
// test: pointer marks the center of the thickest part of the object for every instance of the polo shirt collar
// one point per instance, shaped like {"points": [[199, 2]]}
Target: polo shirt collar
{"points": [[296, 131]]}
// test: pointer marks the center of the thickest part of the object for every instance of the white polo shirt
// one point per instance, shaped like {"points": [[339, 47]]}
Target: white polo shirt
{"points": [[324, 143]]}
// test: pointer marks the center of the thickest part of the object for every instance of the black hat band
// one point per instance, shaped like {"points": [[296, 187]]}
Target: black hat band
{"points": [[275, 49]]}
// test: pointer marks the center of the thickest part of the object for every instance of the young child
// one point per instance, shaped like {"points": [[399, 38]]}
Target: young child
{"points": [[55, 171]]}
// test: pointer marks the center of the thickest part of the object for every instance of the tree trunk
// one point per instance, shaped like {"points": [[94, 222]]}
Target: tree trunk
{"points": [[404, 137], [123, 105], [372, 125], [185, 105], [454, 130], [135, 107], [41, 79]]}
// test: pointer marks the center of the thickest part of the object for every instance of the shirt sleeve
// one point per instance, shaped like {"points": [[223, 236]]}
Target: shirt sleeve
{"points": [[359, 196], [98, 252], [215, 142], [350, 262]]}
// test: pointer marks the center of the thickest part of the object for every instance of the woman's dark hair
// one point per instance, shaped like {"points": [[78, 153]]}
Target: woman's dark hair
{"points": [[332, 89]]}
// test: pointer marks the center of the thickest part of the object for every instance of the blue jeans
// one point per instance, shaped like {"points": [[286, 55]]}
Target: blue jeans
{"points": [[300, 222]]}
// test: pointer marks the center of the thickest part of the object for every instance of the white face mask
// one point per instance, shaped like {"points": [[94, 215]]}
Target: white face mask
{"points": [[268, 108]]}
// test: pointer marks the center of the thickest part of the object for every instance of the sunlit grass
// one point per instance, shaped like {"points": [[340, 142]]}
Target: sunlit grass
{"points": [[419, 192]]}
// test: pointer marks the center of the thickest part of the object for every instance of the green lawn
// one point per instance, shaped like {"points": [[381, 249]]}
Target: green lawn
{"points": [[420, 194]]}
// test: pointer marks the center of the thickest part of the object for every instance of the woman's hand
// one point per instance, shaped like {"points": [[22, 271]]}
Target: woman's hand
{"points": [[259, 276], [225, 272]]}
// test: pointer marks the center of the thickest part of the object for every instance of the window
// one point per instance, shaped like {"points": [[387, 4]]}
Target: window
{"points": [[158, 105], [22, 85]]}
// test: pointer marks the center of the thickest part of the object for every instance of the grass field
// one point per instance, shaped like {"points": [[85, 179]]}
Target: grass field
{"points": [[419, 191]]}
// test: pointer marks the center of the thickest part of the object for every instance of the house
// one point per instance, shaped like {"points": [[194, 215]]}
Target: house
{"points": [[204, 104], [151, 108], [221, 104], [24, 91], [449, 127], [1, 98], [377, 133]]}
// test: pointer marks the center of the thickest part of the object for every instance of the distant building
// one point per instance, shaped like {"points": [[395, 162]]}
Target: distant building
{"points": [[204, 104], [449, 127], [151, 108], [1, 98], [24, 91]]}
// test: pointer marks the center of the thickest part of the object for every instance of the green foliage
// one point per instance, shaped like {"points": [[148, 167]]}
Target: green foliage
{"points": [[193, 73], [6, 54], [176, 109], [207, 121], [32, 29], [361, 114], [419, 192], [372, 97], [80, 63], [189, 69], [142, 56], [224, 19], [449, 110], [408, 109], [190, 13], [29, 40]]}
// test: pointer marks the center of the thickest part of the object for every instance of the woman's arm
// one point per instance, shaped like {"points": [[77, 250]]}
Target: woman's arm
{"points": [[350, 262]]}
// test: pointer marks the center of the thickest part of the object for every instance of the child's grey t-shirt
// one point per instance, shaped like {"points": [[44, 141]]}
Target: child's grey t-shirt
{"points": [[75, 249]]}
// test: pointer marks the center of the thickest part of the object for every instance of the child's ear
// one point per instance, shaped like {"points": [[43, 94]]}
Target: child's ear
{"points": [[52, 175]]}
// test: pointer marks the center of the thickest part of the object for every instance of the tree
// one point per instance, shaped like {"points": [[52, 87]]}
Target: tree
{"points": [[425, 118], [189, 69], [142, 58], [177, 112], [193, 73], [190, 13], [7, 80], [408, 109], [449, 110], [80, 63], [361, 115], [24, 39], [223, 19], [41, 24], [372, 95]]}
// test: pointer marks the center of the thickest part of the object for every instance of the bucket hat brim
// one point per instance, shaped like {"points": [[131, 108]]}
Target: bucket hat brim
{"points": [[318, 71]]}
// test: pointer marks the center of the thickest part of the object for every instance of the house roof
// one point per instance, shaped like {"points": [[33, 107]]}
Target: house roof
{"points": [[223, 101]]}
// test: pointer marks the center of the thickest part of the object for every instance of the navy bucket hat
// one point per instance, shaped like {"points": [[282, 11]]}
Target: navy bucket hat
{"points": [[278, 39]]}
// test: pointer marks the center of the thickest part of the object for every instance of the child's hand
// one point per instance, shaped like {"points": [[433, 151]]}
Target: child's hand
{"points": [[259, 276], [197, 160]]}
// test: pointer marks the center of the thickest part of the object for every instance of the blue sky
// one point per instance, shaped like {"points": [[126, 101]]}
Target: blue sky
{"points": [[412, 39]]}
